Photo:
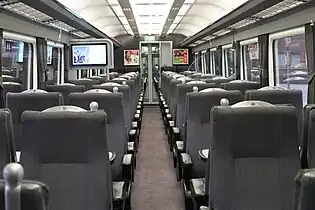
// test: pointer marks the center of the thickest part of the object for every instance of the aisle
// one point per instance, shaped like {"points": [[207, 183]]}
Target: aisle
{"points": [[155, 185]]}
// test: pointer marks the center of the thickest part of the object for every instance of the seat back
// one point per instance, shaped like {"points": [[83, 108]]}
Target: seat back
{"points": [[112, 104], [87, 83], [198, 127], [68, 151], [254, 151], [242, 86], [181, 112], [7, 144], [11, 87], [125, 90], [20, 102], [305, 190], [65, 90], [278, 96]]}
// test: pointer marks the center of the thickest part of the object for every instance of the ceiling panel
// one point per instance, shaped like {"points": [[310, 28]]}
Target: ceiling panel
{"points": [[200, 13], [150, 16], [107, 16]]}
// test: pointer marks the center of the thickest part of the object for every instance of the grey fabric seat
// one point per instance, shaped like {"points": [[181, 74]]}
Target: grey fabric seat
{"points": [[7, 144], [181, 111], [72, 158], [65, 90], [310, 143], [289, 97], [305, 190], [34, 195], [198, 136], [117, 134], [20, 102], [11, 87], [125, 90], [260, 164]]}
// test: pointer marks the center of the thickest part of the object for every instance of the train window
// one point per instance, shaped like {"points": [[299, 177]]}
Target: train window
{"points": [[16, 57], [290, 63], [229, 59], [250, 54]]}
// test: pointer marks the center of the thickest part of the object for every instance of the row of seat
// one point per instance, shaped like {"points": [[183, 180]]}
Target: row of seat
{"points": [[63, 146], [191, 129]]}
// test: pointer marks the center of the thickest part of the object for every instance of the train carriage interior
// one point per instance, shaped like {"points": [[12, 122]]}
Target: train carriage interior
{"points": [[157, 104]]}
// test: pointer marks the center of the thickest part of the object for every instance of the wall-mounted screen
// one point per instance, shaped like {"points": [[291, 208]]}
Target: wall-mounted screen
{"points": [[131, 57], [49, 55], [89, 54], [180, 56]]}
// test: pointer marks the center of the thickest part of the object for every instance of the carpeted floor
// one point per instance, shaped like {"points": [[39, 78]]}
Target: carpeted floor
{"points": [[155, 186]]}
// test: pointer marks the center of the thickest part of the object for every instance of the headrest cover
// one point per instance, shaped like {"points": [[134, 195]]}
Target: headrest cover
{"points": [[110, 84], [252, 104], [65, 109], [119, 79], [97, 91], [67, 84], [196, 82], [272, 88], [115, 90], [212, 90], [11, 83], [34, 91], [85, 79], [218, 77], [240, 81]]}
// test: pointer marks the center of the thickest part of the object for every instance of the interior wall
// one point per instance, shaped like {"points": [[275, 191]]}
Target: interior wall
{"points": [[129, 42]]}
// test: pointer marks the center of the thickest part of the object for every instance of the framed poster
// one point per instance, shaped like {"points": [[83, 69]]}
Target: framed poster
{"points": [[180, 56], [131, 57]]}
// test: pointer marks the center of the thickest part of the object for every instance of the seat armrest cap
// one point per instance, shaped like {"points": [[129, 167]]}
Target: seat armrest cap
{"points": [[127, 160], [186, 159]]}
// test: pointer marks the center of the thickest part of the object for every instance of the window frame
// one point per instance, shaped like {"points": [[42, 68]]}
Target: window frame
{"points": [[271, 54], [243, 57], [32, 64]]}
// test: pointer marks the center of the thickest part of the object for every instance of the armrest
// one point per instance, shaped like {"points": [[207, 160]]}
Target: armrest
{"points": [[131, 147], [198, 187], [112, 157], [134, 125], [204, 208], [127, 167], [137, 117], [118, 191], [186, 164], [179, 146], [132, 135]]}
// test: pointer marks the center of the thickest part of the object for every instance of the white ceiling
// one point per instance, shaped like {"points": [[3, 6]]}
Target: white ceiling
{"points": [[195, 15], [100, 14], [151, 15]]}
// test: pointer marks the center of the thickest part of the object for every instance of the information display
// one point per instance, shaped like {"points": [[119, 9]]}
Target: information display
{"points": [[49, 55], [131, 57], [89, 54], [180, 56]]}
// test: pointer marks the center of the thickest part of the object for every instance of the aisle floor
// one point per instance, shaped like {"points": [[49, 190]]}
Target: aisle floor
{"points": [[155, 186]]}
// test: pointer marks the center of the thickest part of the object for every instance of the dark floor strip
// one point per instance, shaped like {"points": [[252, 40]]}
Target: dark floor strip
{"points": [[155, 185]]}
